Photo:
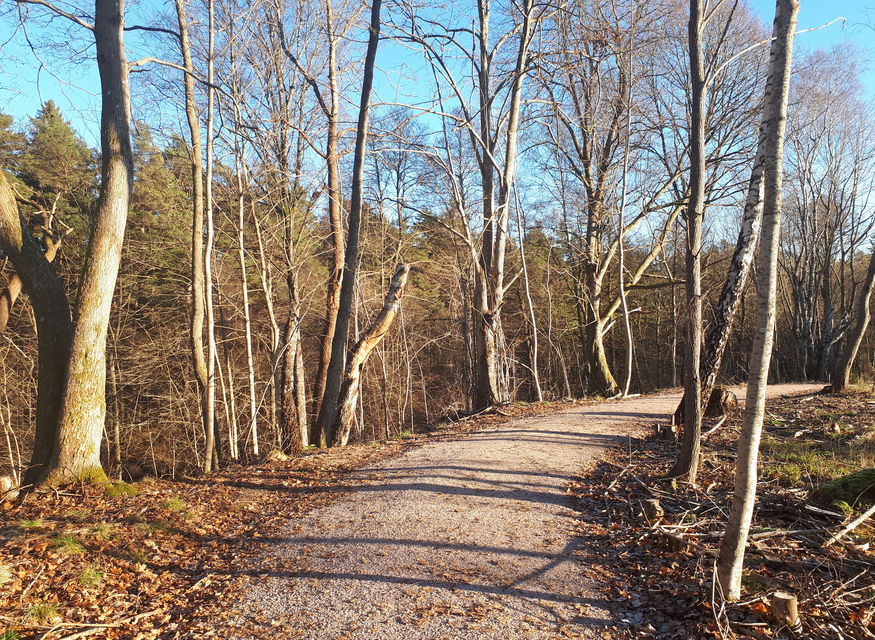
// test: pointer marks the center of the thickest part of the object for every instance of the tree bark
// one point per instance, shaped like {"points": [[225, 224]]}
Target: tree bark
{"points": [[736, 279], [731, 559], [13, 287], [83, 411], [335, 221], [489, 287], [841, 375], [328, 411], [54, 326], [359, 355], [198, 306], [687, 463], [210, 449]]}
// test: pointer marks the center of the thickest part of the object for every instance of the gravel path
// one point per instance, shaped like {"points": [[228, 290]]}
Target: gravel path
{"points": [[469, 539]]}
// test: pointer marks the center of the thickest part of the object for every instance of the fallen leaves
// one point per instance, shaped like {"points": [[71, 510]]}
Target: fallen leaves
{"points": [[663, 590], [167, 559]]}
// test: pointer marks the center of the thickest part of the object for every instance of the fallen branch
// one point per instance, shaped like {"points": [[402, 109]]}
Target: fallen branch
{"points": [[96, 627], [851, 526], [715, 427]]}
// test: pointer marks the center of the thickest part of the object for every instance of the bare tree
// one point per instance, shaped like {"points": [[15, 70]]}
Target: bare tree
{"points": [[198, 285], [730, 562], [326, 421], [687, 463], [83, 411], [841, 375], [54, 326]]}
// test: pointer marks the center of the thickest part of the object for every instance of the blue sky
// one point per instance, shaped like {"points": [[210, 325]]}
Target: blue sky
{"points": [[74, 85], [859, 28]]}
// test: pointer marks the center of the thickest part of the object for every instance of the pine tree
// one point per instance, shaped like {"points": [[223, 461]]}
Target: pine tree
{"points": [[55, 159], [11, 143]]}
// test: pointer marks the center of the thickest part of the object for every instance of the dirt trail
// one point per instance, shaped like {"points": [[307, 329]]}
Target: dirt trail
{"points": [[461, 539]]}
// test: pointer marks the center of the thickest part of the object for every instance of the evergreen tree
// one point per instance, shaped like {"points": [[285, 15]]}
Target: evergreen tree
{"points": [[11, 143], [158, 192], [56, 160]]}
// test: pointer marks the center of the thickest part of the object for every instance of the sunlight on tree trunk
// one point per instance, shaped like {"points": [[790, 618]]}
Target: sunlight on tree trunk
{"points": [[731, 560], [83, 411]]}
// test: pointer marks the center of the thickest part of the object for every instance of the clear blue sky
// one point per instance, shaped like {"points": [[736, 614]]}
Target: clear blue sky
{"points": [[75, 84], [859, 28]]}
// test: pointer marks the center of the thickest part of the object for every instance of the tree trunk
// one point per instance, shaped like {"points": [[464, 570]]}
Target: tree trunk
{"points": [[240, 171], [293, 404], [600, 380], [328, 411], [54, 327], [731, 559], [530, 307], [736, 279], [210, 450], [83, 411], [841, 375], [687, 463], [335, 220], [489, 286], [13, 287], [359, 355], [196, 317]]}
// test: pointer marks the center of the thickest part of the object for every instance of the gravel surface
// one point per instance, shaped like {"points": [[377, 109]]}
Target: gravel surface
{"points": [[467, 539]]}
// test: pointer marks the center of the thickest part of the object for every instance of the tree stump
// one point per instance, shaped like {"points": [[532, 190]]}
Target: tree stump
{"points": [[721, 402], [8, 490], [652, 509], [785, 610]]}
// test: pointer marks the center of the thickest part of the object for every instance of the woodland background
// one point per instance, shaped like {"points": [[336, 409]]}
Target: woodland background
{"points": [[273, 254]]}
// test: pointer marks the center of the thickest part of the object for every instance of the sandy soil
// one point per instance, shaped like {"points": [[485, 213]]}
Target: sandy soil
{"points": [[464, 539]]}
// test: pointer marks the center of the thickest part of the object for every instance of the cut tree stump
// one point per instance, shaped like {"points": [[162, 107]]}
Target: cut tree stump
{"points": [[785, 610]]}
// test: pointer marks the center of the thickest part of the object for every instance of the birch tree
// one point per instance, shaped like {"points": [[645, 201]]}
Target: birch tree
{"points": [[731, 559]]}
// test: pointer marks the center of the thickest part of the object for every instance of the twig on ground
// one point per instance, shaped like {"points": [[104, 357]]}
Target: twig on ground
{"points": [[851, 526]]}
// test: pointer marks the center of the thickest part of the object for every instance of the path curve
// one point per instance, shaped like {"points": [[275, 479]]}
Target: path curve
{"points": [[471, 538]]}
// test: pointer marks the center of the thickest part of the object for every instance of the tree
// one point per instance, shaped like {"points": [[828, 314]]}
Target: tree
{"points": [[731, 559], [55, 161], [54, 327], [83, 410], [11, 143], [328, 99], [358, 357], [687, 463], [841, 374], [327, 420]]}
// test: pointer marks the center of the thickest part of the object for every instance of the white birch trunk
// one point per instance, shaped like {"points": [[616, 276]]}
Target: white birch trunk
{"points": [[731, 560]]}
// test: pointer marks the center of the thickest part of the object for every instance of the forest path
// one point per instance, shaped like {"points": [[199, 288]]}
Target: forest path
{"points": [[472, 538]]}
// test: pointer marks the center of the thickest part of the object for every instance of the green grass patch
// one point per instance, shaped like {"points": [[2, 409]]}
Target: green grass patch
{"points": [[9, 634], [152, 526], [76, 514], [752, 581], [138, 555], [119, 489], [101, 530], [43, 612], [174, 504], [90, 576], [67, 544], [35, 523]]}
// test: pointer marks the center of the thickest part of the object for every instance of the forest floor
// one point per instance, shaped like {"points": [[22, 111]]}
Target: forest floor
{"points": [[521, 524]]}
